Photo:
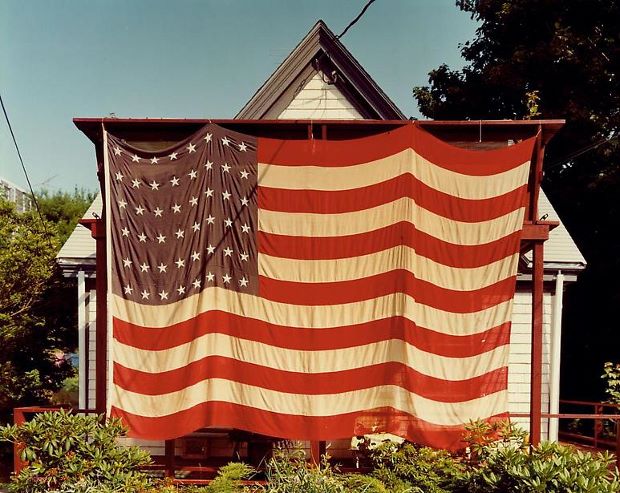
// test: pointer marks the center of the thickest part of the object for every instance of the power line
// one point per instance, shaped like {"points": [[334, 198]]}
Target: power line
{"points": [[19, 154], [359, 16], [324, 53], [580, 152]]}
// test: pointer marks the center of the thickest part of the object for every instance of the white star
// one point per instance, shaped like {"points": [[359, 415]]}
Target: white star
{"points": [[158, 212], [122, 204], [228, 252], [117, 150], [135, 183], [163, 295], [154, 185], [195, 256], [173, 156], [162, 267], [196, 227], [243, 147], [245, 201], [245, 228], [140, 210], [127, 262], [209, 192], [191, 148], [226, 168], [119, 176], [210, 277], [208, 137], [196, 283], [128, 289], [174, 181], [225, 195], [154, 160], [142, 238], [135, 158], [244, 174], [180, 234], [180, 263], [192, 174], [209, 165], [243, 282], [181, 290], [210, 219], [144, 267], [145, 294], [210, 249], [161, 238], [244, 257], [125, 232], [228, 223], [176, 208], [225, 141], [226, 278], [193, 201]]}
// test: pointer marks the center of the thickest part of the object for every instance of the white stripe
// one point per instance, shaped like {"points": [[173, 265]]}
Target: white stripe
{"points": [[258, 353], [374, 172], [403, 209], [399, 257], [439, 413], [245, 305]]}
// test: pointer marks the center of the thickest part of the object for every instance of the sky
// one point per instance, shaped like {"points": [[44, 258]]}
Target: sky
{"points": [[184, 59]]}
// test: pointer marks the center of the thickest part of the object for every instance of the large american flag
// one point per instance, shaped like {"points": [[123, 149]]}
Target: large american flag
{"points": [[312, 290]]}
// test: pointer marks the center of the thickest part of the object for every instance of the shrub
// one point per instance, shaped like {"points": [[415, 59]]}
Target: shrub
{"points": [[75, 454], [507, 464], [409, 468]]}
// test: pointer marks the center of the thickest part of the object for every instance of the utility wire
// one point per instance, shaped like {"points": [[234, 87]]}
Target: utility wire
{"points": [[580, 152], [359, 16], [19, 154], [324, 53]]}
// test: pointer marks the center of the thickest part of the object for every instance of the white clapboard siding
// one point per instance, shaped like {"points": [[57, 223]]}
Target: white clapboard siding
{"points": [[320, 100], [91, 317], [520, 356]]}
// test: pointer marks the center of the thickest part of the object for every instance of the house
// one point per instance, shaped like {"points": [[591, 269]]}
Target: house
{"points": [[319, 83], [17, 195]]}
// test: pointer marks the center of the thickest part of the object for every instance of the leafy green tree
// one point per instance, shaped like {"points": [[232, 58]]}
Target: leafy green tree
{"points": [[64, 209], [37, 304], [556, 59]]}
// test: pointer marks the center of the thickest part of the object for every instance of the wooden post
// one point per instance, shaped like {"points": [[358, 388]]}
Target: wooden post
{"points": [[317, 449], [537, 344], [169, 459], [19, 418], [537, 298], [101, 332]]}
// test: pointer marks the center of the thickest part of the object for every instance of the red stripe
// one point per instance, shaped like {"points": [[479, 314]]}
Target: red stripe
{"points": [[401, 233], [392, 373], [395, 281], [333, 153], [337, 153], [158, 339], [335, 202], [295, 427]]}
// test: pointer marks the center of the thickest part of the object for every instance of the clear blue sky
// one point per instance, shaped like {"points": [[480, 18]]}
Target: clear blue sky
{"points": [[185, 58]]}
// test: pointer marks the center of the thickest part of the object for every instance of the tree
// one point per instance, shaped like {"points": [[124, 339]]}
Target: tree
{"points": [[556, 59], [37, 309]]}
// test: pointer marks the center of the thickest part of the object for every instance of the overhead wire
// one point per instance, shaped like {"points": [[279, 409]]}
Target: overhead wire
{"points": [[21, 160], [349, 26]]}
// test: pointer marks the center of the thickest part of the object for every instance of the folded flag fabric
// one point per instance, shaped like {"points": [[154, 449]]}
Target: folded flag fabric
{"points": [[312, 289]]}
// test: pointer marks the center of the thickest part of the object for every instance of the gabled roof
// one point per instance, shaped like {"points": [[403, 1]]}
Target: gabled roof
{"points": [[78, 252], [320, 52]]}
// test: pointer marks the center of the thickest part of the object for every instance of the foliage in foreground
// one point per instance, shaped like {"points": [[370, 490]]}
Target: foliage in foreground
{"points": [[76, 454], [69, 453]]}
